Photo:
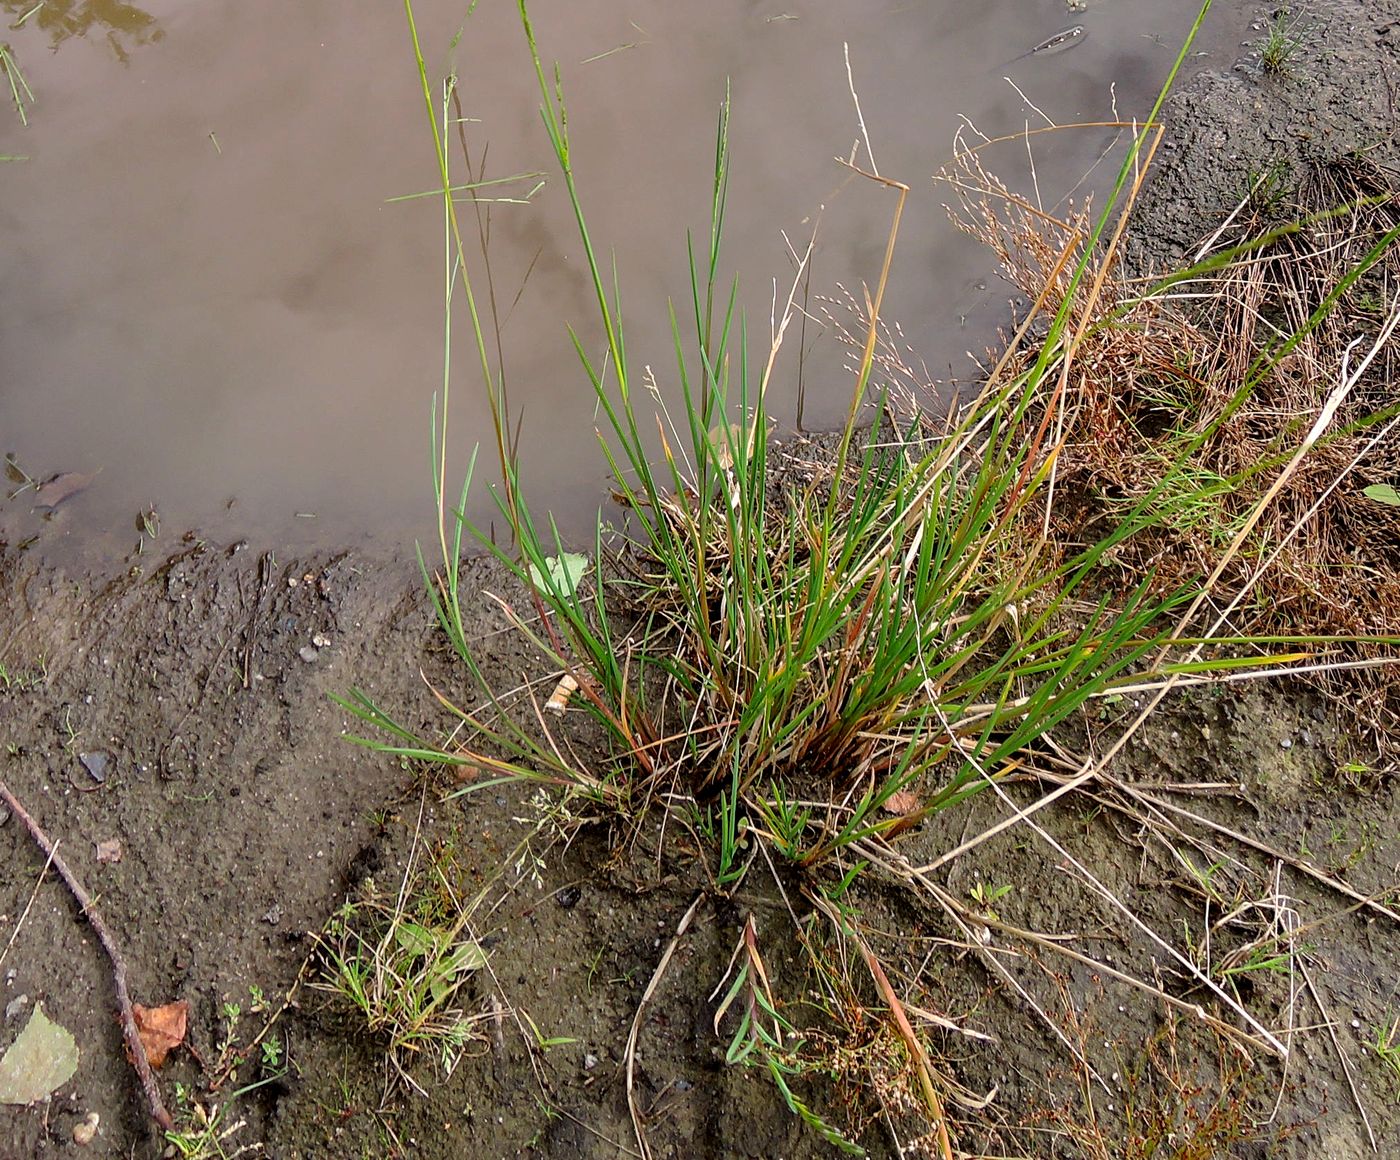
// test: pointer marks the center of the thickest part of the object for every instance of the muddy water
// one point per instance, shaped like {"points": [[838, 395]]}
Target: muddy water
{"points": [[210, 303]]}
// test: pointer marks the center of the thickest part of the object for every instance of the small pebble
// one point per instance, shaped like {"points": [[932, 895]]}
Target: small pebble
{"points": [[16, 1007], [85, 1131], [590, 1061], [98, 763], [1306, 736], [568, 897], [1286, 743], [321, 640], [309, 654]]}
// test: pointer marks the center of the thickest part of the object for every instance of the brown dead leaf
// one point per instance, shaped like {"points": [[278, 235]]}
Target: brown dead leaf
{"points": [[902, 803], [161, 1028], [110, 850]]}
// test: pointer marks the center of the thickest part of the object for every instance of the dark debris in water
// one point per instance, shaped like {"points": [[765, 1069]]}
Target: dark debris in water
{"points": [[64, 486]]}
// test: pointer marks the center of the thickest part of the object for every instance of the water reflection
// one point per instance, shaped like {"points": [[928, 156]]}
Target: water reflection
{"points": [[127, 27]]}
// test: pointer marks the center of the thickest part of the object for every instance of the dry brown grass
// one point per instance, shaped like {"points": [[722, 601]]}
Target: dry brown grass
{"points": [[1210, 379]]}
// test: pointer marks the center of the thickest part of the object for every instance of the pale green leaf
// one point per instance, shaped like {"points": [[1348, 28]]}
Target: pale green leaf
{"points": [[1382, 493], [564, 572], [467, 957], [40, 1061], [414, 939]]}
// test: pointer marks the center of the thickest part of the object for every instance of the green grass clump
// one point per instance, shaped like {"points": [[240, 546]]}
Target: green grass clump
{"points": [[893, 625], [1281, 43], [402, 964], [807, 671]]}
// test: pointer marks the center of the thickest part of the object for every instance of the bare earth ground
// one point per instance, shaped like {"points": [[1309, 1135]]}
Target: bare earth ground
{"points": [[244, 819]]}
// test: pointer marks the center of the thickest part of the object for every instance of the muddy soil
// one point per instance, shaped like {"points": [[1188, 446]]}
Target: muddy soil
{"points": [[197, 684]]}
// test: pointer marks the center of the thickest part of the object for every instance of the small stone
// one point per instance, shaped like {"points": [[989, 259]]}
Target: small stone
{"points": [[309, 653], [84, 1132], [568, 897], [590, 1061], [4, 814], [1306, 736], [1286, 743], [109, 851], [98, 763], [274, 914], [15, 1007], [321, 640]]}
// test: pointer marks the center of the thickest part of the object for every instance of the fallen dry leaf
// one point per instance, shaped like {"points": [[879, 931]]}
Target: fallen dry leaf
{"points": [[41, 1060], [161, 1028], [109, 851], [903, 803]]}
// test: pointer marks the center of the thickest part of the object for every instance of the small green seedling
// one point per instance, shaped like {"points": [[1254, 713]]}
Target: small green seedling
{"points": [[986, 896], [1387, 1048], [1281, 42], [543, 1042], [404, 976]]}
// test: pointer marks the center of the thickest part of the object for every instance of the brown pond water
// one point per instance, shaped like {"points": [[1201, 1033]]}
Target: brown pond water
{"points": [[208, 299]]}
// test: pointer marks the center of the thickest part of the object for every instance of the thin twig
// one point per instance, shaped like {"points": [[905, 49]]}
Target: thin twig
{"points": [[1321, 877], [637, 1024], [135, 1049], [28, 906], [1331, 1025]]}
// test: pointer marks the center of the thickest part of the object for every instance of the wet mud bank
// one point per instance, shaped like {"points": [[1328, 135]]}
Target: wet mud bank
{"points": [[173, 729]]}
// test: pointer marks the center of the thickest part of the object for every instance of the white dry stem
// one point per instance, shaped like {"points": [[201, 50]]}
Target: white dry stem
{"points": [[779, 331], [1331, 1025], [1035, 109], [860, 117], [632, 1036], [38, 882]]}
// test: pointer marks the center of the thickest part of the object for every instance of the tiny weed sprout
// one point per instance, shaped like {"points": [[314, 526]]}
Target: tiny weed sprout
{"points": [[801, 676], [1281, 42], [401, 964], [1386, 1045]]}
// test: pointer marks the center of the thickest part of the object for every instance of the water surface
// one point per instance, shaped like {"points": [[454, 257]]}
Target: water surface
{"points": [[210, 303]]}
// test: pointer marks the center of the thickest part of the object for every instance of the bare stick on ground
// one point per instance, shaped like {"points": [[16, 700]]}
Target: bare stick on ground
{"points": [[637, 1024], [134, 1046]]}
